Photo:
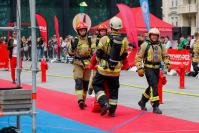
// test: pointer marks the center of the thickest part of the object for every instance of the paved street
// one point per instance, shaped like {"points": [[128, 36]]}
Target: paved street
{"points": [[176, 105]]}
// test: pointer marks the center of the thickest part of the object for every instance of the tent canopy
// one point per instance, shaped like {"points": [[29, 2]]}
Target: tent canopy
{"points": [[165, 28]]}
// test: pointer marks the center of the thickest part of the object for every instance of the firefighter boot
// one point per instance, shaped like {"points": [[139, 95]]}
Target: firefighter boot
{"points": [[112, 110], [142, 103], [104, 109], [156, 110], [81, 104]]}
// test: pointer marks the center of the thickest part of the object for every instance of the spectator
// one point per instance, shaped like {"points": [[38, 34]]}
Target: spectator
{"points": [[182, 43], [45, 51], [187, 44], [39, 48], [12, 47], [54, 44], [141, 39], [195, 62], [167, 43], [25, 47], [162, 39], [1, 40], [50, 49], [64, 48], [29, 48]]}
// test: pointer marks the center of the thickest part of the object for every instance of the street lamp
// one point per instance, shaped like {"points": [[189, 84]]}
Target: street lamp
{"points": [[82, 6]]}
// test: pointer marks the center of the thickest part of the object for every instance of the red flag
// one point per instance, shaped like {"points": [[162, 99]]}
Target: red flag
{"points": [[57, 32], [128, 19], [42, 27]]}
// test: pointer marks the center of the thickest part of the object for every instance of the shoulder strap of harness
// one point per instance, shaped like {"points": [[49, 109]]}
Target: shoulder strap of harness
{"points": [[97, 41], [148, 46], [89, 41], [76, 41]]}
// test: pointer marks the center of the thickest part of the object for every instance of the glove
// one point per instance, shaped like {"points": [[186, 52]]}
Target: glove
{"points": [[140, 72]]}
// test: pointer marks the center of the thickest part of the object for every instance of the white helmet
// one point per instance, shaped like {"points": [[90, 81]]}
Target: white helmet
{"points": [[154, 31], [115, 23]]}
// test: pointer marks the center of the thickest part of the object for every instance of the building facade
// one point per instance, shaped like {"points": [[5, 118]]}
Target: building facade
{"points": [[182, 13], [65, 10]]}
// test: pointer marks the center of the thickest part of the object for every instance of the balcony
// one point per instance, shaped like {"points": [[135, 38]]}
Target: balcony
{"points": [[183, 9]]}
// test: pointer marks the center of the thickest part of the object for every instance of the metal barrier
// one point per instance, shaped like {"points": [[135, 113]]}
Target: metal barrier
{"points": [[17, 29]]}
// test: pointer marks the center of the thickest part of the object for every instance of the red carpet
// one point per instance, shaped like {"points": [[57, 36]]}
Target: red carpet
{"points": [[5, 84], [126, 120]]}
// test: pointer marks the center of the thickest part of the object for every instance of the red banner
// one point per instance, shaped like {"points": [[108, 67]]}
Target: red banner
{"points": [[42, 27], [4, 56], [128, 20], [56, 22], [179, 57]]}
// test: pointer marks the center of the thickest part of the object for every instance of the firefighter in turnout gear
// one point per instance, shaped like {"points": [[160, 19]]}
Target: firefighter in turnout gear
{"points": [[151, 53], [81, 50], [102, 31], [195, 59], [111, 52]]}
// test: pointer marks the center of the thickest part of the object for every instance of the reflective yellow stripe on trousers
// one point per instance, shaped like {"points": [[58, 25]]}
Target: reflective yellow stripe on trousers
{"points": [[99, 94], [113, 101], [152, 98]]}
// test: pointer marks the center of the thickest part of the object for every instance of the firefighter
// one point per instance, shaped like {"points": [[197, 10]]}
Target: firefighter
{"points": [[195, 59], [151, 53], [81, 50], [111, 51], [102, 31]]}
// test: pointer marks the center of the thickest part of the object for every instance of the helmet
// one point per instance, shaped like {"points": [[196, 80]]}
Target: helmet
{"points": [[116, 23], [81, 25], [154, 31], [102, 27]]}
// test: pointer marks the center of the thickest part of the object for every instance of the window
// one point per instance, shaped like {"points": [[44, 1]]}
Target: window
{"points": [[172, 3], [172, 21], [176, 21]]}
